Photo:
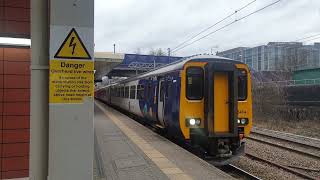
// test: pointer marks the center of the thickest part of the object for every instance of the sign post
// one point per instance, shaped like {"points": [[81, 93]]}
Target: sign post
{"points": [[71, 86]]}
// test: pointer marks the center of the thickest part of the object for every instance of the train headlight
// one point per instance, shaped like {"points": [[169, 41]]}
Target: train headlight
{"points": [[193, 122], [243, 121]]}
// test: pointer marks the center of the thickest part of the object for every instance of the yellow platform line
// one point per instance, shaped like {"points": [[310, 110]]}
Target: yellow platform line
{"points": [[164, 164]]}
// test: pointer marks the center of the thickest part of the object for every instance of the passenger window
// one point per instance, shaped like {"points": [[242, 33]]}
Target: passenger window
{"points": [[126, 92], [150, 91], [132, 92], [122, 92], [113, 91], [194, 83], [140, 92], [162, 92], [118, 92], [242, 85]]}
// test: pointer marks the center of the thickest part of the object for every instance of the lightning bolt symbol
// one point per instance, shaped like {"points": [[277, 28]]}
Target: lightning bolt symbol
{"points": [[72, 45]]}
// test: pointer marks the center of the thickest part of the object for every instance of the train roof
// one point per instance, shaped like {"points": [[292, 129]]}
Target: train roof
{"points": [[178, 65]]}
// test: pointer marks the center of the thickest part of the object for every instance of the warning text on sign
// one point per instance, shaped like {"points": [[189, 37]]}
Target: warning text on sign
{"points": [[71, 81]]}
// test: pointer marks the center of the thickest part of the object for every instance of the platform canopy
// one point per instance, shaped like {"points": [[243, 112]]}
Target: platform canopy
{"points": [[105, 62]]}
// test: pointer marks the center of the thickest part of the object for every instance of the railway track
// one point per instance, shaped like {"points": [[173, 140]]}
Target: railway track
{"points": [[305, 150], [288, 137], [305, 146], [286, 148], [283, 167], [238, 172]]}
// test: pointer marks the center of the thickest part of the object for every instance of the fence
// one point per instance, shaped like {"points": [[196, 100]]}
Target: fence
{"points": [[292, 82]]}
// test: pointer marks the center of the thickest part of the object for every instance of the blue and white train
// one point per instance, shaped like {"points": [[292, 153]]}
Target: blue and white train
{"points": [[203, 100]]}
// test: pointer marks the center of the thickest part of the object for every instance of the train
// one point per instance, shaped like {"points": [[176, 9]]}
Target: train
{"points": [[204, 101]]}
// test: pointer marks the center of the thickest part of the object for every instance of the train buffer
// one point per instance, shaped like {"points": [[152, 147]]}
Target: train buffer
{"points": [[125, 149]]}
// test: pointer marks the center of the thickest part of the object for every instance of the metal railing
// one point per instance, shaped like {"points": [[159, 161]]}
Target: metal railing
{"points": [[293, 82], [144, 66]]}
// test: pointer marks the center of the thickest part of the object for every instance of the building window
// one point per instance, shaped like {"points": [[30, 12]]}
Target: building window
{"points": [[194, 84], [132, 92]]}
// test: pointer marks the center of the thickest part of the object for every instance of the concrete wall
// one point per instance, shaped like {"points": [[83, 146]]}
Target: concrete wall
{"points": [[14, 111]]}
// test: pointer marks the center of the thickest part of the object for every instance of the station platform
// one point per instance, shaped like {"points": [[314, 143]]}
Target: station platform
{"points": [[125, 149]]}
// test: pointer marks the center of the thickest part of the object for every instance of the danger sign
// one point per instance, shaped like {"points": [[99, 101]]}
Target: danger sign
{"points": [[71, 70], [72, 47]]}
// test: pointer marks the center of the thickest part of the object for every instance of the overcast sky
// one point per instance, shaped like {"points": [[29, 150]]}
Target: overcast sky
{"points": [[152, 24]]}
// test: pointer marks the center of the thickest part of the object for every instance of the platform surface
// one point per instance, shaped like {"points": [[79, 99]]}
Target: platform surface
{"points": [[126, 149]]}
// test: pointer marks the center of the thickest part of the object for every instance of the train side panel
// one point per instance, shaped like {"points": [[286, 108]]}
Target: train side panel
{"points": [[245, 107]]}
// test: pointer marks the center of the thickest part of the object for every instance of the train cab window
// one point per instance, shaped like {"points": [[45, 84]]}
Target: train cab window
{"points": [[132, 92], [242, 85], [126, 92], [140, 92], [194, 84]]}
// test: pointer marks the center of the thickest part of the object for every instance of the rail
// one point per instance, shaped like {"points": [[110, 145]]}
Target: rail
{"points": [[289, 137], [236, 171], [286, 168]]}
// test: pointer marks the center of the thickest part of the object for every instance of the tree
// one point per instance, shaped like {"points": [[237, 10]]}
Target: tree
{"points": [[152, 52], [158, 52]]}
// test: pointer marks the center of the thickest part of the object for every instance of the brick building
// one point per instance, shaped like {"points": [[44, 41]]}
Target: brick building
{"points": [[14, 90]]}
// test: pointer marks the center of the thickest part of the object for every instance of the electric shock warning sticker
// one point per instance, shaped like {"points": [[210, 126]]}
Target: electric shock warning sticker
{"points": [[72, 47], [71, 81]]}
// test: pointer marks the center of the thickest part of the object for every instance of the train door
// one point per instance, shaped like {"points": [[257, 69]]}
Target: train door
{"points": [[221, 102], [161, 102]]}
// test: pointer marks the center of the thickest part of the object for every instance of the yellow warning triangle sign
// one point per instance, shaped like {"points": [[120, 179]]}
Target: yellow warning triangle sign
{"points": [[72, 47]]}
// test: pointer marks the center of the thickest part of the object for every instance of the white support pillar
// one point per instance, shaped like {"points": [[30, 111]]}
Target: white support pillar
{"points": [[39, 119], [71, 113]]}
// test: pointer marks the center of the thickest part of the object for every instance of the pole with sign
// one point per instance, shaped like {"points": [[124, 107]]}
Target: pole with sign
{"points": [[71, 86]]}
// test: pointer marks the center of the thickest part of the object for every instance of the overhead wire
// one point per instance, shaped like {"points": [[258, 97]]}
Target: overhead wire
{"points": [[308, 37], [229, 24], [312, 39], [204, 30]]}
